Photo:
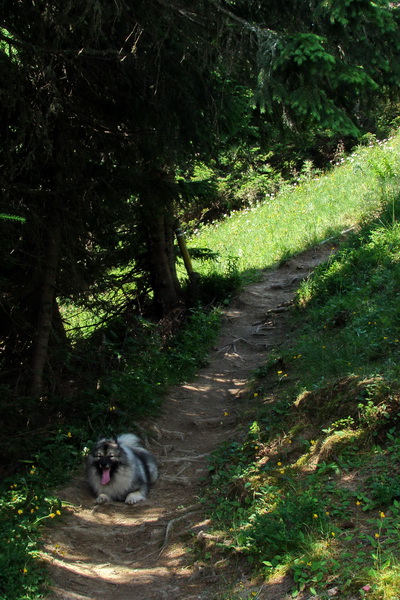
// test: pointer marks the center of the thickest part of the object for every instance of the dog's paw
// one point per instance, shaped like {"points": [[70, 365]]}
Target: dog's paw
{"points": [[102, 499], [134, 497]]}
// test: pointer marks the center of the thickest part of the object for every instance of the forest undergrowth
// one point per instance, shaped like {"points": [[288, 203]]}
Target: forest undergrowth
{"points": [[309, 486]]}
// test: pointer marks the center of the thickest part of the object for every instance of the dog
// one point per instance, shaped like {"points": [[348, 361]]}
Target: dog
{"points": [[120, 469]]}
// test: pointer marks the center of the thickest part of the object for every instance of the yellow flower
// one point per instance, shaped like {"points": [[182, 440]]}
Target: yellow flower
{"points": [[69, 434], [20, 511], [279, 372], [52, 515], [24, 570], [327, 513], [279, 464], [281, 471], [58, 512], [358, 503], [32, 510], [226, 414], [315, 516], [333, 534], [255, 394], [382, 515], [377, 535]]}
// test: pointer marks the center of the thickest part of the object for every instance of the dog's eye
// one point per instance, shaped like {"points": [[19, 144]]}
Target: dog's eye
{"points": [[111, 456]]}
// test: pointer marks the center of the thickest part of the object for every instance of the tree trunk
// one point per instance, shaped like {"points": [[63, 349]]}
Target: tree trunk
{"points": [[164, 280], [46, 307]]}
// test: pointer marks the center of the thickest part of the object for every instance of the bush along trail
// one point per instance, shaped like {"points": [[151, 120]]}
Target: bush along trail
{"points": [[158, 549]]}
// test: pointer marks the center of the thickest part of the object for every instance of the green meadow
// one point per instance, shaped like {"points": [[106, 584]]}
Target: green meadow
{"points": [[315, 207]]}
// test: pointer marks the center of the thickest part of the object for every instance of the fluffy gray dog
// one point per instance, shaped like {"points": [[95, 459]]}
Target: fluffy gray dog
{"points": [[120, 469]]}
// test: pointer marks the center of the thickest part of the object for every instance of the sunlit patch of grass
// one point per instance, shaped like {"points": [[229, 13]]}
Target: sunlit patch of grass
{"points": [[305, 213]]}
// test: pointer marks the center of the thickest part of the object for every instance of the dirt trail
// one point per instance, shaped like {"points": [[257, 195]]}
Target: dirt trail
{"points": [[138, 552]]}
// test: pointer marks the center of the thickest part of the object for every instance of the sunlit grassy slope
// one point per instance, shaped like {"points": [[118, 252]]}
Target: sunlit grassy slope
{"points": [[310, 489], [313, 209]]}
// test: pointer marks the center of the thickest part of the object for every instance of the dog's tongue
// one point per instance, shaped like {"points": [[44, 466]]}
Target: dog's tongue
{"points": [[105, 478]]}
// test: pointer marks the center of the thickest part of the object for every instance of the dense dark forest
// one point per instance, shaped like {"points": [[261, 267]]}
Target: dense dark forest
{"points": [[106, 108]]}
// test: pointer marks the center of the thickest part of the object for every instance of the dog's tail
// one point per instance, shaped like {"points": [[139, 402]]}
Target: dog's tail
{"points": [[130, 440]]}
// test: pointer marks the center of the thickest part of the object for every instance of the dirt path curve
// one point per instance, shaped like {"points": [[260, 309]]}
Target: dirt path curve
{"points": [[138, 552]]}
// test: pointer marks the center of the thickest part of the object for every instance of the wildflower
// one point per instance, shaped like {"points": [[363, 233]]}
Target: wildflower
{"points": [[58, 512], [279, 464], [255, 394], [69, 434], [24, 570], [32, 510], [315, 516], [382, 515], [312, 442], [52, 515], [19, 511], [377, 535], [112, 408], [327, 513], [279, 372], [333, 534], [226, 414], [358, 503]]}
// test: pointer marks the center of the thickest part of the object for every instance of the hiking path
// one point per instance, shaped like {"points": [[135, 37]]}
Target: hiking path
{"points": [[142, 552]]}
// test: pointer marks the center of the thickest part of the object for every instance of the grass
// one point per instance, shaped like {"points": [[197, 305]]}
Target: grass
{"points": [[311, 487], [294, 464], [303, 214]]}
